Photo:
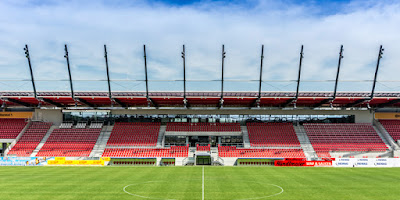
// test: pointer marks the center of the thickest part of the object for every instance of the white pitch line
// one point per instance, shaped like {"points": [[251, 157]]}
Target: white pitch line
{"points": [[202, 194]]}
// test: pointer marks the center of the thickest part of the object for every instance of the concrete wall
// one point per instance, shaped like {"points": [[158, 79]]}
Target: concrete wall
{"points": [[54, 116]]}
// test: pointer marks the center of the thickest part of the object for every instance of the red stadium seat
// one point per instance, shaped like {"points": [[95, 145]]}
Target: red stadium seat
{"points": [[10, 128], [70, 143], [272, 134], [134, 134], [356, 137], [392, 127]]}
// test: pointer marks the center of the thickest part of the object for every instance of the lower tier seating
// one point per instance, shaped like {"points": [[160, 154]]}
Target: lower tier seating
{"points": [[232, 151], [356, 137], [10, 128], [173, 151], [70, 142], [272, 134], [30, 139], [392, 127]]}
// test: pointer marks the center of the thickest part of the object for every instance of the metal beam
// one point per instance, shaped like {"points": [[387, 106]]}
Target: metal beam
{"points": [[19, 102], [221, 101], [389, 103], [338, 71], [120, 103], [52, 102], [356, 102], [376, 70], [322, 102], [69, 71], [86, 102], [30, 69], [108, 73], [185, 103], [145, 73]]}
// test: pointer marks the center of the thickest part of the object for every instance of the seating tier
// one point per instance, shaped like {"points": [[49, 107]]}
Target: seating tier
{"points": [[30, 139], [10, 128], [70, 143], [134, 134], [358, 137], [272, 134]]}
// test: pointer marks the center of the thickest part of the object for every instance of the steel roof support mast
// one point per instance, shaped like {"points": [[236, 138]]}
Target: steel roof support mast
{"points": [[69, 71], [299, 75], [30, 69], [261, 70], [221, 101], [338, 71], [185, 102], [381, 49], [108, 73], [145, 73]]}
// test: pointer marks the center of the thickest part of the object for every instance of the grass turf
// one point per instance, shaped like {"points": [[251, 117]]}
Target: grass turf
{"points": [[186, 183]]}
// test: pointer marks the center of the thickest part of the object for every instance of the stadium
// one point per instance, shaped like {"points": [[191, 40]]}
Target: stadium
{"points": [[192, 138]]}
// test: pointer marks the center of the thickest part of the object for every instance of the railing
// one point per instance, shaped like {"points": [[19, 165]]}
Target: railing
{"points": [[220, 160], [232, 144], [174, 144], [187, 160]]}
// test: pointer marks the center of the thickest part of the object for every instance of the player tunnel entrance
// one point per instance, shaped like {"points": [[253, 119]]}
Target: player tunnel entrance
{"points": [[203, 159]]}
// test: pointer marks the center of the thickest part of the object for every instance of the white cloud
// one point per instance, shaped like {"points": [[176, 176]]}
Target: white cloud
{"points": [[282, 27]]}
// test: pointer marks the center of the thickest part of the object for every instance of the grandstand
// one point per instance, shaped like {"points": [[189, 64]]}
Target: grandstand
{"points": [[200, 127]]}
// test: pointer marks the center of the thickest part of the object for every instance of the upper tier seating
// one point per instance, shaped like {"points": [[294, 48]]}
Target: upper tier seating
{"points": [[343, 137], [203, 127], [30, 139], [10, 128], [70, 142], [134, 134], [272, 134], [173, 151], [392, 127], [232, 151]]}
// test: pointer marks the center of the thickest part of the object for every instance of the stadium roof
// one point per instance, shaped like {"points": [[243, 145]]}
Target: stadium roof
{"points": [[200, 99]]}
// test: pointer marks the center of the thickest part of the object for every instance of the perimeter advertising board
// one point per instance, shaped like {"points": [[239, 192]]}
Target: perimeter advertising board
{"points": [[23, 161]]}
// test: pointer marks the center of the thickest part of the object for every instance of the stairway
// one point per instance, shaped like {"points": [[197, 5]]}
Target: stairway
{"points": [[385, 136], [305, 143], [101, 143], [246, 140], [40, 145], [160, 139]]}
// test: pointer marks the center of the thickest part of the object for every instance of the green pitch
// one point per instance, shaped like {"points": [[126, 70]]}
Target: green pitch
{"points": [[108, 183]]}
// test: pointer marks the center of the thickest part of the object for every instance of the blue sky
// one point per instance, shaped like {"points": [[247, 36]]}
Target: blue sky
{"points": [[203, 26]]}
